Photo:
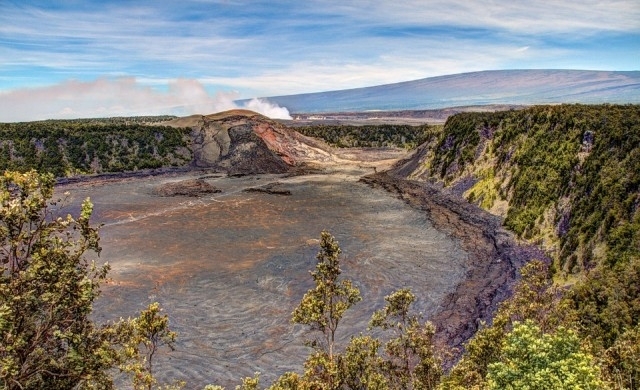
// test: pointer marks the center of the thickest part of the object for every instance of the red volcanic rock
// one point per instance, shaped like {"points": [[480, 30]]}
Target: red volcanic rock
{"points": [[244, 142]]}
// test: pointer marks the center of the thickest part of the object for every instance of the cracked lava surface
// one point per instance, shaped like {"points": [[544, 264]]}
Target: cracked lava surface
{"points": [[229, 268]]}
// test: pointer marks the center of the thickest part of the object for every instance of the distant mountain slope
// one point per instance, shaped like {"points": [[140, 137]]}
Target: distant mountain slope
{"points": [[477, 88]]}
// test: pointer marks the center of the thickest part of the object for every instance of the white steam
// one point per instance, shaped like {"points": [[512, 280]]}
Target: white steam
{"points": [[122, 97], [267, 109]]}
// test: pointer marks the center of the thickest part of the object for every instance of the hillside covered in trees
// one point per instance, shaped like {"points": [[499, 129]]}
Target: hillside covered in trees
{"points": [[370, 136], [567, 178], [127, 144]]}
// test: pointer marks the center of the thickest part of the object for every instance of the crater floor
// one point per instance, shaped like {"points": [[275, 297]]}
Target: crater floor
{"points": [[229, 268]]}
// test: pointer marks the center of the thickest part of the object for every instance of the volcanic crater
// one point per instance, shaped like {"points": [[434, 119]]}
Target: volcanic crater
{"points": [[230, 262]]}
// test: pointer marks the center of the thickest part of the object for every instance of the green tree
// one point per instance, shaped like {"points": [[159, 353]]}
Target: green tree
{"points": [[362, 366], [412, 361], [534, 298], [322, 308], [287, 381], [534, 360], [250, 383], [47, 288], [143, 337], [621, 362]]}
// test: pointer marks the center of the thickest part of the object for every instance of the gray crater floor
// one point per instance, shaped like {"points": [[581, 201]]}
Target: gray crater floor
{"points": [[229, 268]]}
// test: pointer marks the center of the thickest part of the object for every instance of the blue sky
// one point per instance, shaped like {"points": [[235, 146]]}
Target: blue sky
{"points": [[124, 55]]}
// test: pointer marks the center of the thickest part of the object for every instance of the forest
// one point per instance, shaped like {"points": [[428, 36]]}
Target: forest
{"points": [[69, 148], [567, 178], [85, 146], [370, 136]]}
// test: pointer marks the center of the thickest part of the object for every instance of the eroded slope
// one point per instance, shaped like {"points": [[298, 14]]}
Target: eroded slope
{"points": [[241, 141], [565, 177]]}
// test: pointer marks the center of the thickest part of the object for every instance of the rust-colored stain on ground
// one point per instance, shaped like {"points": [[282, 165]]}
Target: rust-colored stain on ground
{"points": [[229, 268]]}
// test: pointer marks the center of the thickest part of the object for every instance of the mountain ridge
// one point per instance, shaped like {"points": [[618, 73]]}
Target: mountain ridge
{"points": [[516, 86]]}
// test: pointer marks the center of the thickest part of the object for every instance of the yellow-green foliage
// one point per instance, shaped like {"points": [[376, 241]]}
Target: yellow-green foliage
{"points": [[48, 339], [535, 360], [323, 307], [534, 299], [146, 335], [586, 156], [47, 289], [570, 175], [409, 360], [484, 192]]}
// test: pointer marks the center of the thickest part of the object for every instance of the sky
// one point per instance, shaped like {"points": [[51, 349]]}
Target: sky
{"points": [[91, 58]]}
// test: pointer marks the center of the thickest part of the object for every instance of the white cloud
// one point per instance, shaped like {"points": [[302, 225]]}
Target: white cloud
{"points": [[420, 59], [120, 97], [286, 47], [522, 17]]}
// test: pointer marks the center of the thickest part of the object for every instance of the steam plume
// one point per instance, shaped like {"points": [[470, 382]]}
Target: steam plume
{"points": [[122, 97]]}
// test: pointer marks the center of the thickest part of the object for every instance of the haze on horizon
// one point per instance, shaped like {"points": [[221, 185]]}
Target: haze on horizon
{"points": [[69, 59]]}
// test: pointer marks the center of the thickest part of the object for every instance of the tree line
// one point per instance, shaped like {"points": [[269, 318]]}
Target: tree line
{"points": [[567, 178], [72, 147], [370, 136]]}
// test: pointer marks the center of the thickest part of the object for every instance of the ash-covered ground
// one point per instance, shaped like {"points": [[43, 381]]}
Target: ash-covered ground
{"points": [[229, 267]]}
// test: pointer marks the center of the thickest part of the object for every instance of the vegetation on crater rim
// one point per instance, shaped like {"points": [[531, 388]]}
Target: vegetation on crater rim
{"points": [[568, 178], [72, 147], [371, 136], [564, 176]]}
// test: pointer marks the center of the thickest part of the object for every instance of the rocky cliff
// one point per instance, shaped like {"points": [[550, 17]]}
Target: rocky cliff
{"points": [[237, 141], [565, 177], [495, 256], [244, 142]]}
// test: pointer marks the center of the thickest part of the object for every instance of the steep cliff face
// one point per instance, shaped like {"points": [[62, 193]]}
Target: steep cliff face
{"points": [[494, 256], [241, 141], [566, 177]]}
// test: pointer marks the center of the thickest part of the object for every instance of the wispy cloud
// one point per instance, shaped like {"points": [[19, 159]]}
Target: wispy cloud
{"points": [[262, 48], [530, 17]]}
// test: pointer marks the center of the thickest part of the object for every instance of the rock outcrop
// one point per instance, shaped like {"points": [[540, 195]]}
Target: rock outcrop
{"points": [[271, 188], [193, 188], [244, 142]]}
